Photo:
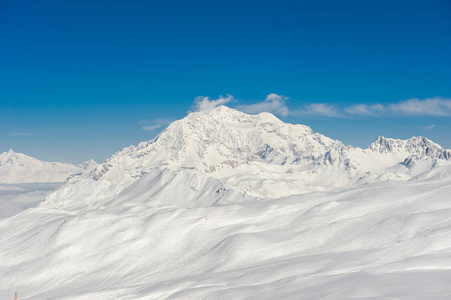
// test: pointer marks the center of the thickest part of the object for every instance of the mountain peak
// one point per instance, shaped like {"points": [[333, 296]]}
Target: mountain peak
{"points": [[224, 109], [8, 155], [88, 165], [415, 148], [386, 145], [20, 168], [220, 111], [421, 141]]}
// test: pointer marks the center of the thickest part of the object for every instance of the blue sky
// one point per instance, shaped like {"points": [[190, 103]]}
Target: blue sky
{"points": [[81, 79]]}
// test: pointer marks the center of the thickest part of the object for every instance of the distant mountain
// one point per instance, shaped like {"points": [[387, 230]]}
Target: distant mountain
{"points": [[20, 168], [255, 155]]}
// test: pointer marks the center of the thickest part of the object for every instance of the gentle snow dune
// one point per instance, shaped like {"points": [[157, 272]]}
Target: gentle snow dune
{"points": [[381, 240]]}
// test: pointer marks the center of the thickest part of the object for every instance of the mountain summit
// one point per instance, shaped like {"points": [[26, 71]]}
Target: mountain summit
{"points": [[254, 155]]}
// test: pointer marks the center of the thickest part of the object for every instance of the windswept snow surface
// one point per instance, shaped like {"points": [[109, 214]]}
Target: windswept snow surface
{"points": [[389, 239], [224, 205]]}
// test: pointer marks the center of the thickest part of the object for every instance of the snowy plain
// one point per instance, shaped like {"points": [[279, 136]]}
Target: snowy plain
{"points": [[224, 205]]}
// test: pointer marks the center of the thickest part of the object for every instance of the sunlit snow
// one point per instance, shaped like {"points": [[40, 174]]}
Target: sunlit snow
{"points": [[225, 205]]}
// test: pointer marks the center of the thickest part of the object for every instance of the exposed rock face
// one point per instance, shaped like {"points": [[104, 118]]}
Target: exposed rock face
{"points": [[417, 145]]}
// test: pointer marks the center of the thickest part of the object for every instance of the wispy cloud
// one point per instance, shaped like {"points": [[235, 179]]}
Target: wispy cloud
{"points": [[318, 110], [436, 106], [155, 124], [22, 133], [273, 103], [277, 104], [365, 110], [202, 103], [428, 127]]}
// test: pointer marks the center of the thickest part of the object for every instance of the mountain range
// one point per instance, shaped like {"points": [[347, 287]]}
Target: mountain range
{"points": [[254, 155], [226, 205], [20, 168]]}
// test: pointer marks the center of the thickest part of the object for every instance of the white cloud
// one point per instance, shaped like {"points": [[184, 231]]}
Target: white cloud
{"points": [[436, 106], [428, 127], [318, 109], [22, 133], [322, 109], [273, 104], [277, 104], [155, 124], [151, 127], [204, 103], [364, 110]]}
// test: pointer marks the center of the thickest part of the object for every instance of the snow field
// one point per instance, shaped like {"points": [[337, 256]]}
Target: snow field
{"points": [[381, 240]]}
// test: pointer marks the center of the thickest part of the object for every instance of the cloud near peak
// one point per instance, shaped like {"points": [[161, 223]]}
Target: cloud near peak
{"points": [[202, 103], [277, 104], [273, 103], [155, 124]]}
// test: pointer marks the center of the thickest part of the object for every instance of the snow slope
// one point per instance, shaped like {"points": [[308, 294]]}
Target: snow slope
{"points": [[225, 205], [388, 239]]}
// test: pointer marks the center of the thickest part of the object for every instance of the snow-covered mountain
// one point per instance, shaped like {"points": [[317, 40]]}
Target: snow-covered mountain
{"points": [[218, 207], [20, 168], [256, 155]]}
